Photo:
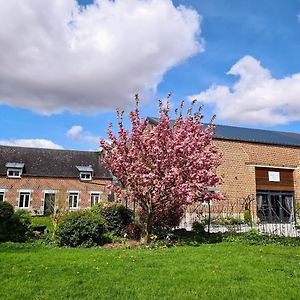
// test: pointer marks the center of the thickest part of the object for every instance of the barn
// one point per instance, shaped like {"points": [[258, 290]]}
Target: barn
{"points": [[261, 173]]}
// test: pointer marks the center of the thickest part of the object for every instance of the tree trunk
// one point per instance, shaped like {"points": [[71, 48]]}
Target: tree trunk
{"points": [[147, 228]]}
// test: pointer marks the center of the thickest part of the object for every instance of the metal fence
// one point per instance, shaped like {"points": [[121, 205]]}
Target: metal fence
{"points": [[278, 218]]}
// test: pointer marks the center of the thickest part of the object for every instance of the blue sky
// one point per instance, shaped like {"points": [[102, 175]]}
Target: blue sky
{"points": [[259, 41]]}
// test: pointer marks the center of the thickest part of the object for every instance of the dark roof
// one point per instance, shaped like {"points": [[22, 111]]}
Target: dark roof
{"points": [[233, 133], [51, 162]]}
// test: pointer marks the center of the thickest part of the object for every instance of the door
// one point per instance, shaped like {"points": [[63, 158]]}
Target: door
{"points": [[275, 207], [49, 203]]}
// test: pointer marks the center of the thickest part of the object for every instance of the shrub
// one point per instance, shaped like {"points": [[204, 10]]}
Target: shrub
{"points": [[81, 228], [6, 211], [235, 221], [14, 226], [199, 228], [168, 217], [247, 216], [97, 208], [220, 220], [23, 225], [116, 215], [253, 237], [134, 231]]}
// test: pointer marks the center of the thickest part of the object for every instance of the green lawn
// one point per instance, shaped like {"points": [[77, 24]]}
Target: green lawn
{"points": [[219, 271], [42, 220]]}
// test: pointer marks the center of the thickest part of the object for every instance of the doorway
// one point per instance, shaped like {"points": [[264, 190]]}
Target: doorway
{"points": [[275, 206], [49, 203]]}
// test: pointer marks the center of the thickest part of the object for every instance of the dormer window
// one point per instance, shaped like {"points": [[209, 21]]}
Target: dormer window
{"points": [[13, 173], [85, 176], [85, 172], [14, 170]]}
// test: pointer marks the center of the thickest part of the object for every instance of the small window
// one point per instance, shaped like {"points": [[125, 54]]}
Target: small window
{"points": [[95, 198], [1, 196], [14, 173], [24, 200], [85, 176], [73, 200]]}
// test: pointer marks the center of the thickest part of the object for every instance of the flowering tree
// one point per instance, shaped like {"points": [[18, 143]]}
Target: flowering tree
{"points": [[164, 167]]}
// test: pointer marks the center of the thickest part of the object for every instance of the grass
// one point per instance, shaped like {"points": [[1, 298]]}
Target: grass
{"points": [[219, 271], [42, 220]]}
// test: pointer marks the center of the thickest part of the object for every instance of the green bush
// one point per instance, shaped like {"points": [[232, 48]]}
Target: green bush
{"points": [[14, 226], [117, 216], [247, 216], [6, 211], [134, 231], [199, 228], [220, 220], [23, 225], [235, 221], [253, 237], [82, 228]]}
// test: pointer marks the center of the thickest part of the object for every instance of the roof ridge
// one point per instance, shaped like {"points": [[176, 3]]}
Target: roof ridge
{"points": [[239, 127], [51, 149]]}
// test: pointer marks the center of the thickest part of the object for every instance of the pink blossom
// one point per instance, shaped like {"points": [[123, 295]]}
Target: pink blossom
{"points": [[164, 167]]}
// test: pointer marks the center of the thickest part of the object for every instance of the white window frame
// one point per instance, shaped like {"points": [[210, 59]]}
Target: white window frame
{"points": [[73, 193], [274, 176], [3, 191], [14, 170], [86, 173], [98, 193], [29, 201]]}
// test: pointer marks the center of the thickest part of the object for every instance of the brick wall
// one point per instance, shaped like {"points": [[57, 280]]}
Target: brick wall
{"points": [[239, 162], [39, 185]]}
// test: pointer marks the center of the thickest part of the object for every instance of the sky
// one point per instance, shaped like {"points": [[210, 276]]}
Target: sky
{"points": [[65, 66]]}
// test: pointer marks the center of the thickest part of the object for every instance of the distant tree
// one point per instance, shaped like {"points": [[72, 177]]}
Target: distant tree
{"points": [[164, 167]]}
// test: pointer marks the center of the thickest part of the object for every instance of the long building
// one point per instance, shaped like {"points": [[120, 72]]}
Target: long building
{"points": [[261, 171], [31, 178]]}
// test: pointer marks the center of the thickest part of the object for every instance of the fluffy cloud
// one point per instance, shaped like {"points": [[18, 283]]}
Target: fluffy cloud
{"points": [[57, 55], [35, 143], [256, 97], [76, 133]]}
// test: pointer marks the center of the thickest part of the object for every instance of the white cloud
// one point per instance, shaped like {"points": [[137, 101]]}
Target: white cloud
{"points": [[56, 55], [257, 97], [35, 143], [76, 133]]}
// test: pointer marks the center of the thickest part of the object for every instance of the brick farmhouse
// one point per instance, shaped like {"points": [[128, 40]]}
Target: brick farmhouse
{"points": [[257, 164], [31, 178]]}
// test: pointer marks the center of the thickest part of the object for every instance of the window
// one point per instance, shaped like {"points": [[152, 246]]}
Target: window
{"points": [[85, 175], [24, 200], [1, 196], [73, 200], [275, 206], [85, 172], [14, 169], [95, 198], [14, 173]]}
